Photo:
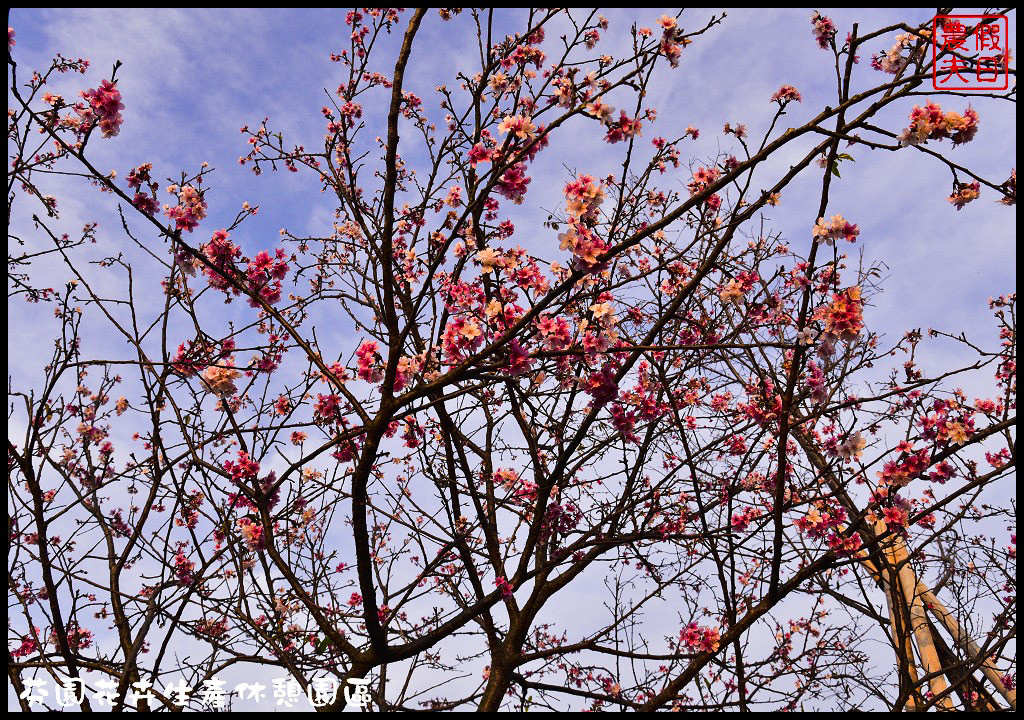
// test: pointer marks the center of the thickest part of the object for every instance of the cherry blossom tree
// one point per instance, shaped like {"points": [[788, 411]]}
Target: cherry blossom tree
{"points": [[658, 460]]}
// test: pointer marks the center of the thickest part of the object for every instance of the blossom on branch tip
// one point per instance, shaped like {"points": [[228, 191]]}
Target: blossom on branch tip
{"points": [[930, 123], [220, 379], [786, 93], [837, 227], [965, 194], [369, 362], [823, 29], [105, 106]]}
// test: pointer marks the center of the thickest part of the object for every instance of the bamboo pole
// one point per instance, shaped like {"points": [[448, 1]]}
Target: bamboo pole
{"points": [[930, 602], [920, 590], [900, 638], [964, 641], [918, 619]]}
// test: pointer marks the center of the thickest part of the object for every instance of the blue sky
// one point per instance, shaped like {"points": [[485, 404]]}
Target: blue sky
{"points": [[191, 78]]}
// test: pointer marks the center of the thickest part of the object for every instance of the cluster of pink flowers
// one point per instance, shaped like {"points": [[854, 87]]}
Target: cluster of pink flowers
{"points": [[265, 274], [252, 534], [765, 404], [513, 182], [946, 423], [734, 290], [505, 478], [267, 495], [965, 194], [28, 643], [347, 451], [816, 382], [78, 637], [583, 196], [327, 408], [893, 61], [844, 316], [785, 94], [490, 260], [930, 123], [852, 448], [222, 254], [720, 401], [599, 109], [136, 179], [407, 369], [479, 153], [945, 471], [562, 93], [741, 521], [844, 545], [412, 434], [282, 405], [191, 208], [523, 134], [460, 335], [555, 332], [599, 335], [601, 385], [212, 628], [646, 394], [454, 197], [624, 422], [220, 379], [698, 638], [671, 44], [623, 128], [702, 179], [895, 517], [736, 445], [823, 28], [410, 104], [245, 469], [504, 586], [837, 227], [739, 131], [820, 518], [897, 473], [731, 293], [519, 125], [524, 54], [184, 569], [105, 107], [188, 515], [369, 362], [669, 153], [582, 242], [193, 356], [518, 359]]}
